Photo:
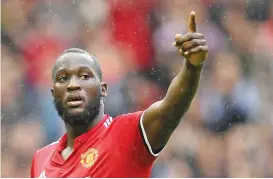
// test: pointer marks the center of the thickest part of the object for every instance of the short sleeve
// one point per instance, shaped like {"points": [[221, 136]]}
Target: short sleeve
{"points": [[134, 135]]}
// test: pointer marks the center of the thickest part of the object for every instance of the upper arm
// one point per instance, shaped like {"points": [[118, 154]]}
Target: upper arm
{"points": [[159, 122]]}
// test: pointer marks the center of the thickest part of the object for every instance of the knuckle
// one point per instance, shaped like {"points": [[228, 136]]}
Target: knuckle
{"points": [[189, 36], [177, 36], [197, 49], [200, 35], [195, 42], [204, 48]]}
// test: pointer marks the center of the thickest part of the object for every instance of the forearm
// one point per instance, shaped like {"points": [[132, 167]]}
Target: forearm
{"points": [[162, 117], [181, 91]]}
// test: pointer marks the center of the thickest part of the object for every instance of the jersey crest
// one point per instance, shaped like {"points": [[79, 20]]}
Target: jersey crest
{"points": [[89, 157]]}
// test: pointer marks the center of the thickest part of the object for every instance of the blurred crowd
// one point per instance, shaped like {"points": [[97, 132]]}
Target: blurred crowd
{"points": [[227, 131]]}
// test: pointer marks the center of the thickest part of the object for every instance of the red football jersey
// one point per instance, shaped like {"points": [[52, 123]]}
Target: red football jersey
{"points": [[115, 147]]}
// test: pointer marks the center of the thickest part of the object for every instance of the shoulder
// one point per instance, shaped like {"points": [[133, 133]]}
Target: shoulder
{"points": [[128, 123], [129, 118], [40, 157], [123, 123], [47, 150], [122, 120]]}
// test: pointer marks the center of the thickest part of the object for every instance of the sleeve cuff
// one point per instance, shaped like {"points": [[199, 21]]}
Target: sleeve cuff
{"points": [[145, 138]]}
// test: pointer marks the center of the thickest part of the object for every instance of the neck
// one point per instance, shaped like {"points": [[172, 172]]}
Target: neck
{"points": [[74, 131]]}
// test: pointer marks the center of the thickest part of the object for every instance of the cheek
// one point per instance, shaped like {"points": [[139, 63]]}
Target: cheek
{"points": [[93, 91], [58, 92]]}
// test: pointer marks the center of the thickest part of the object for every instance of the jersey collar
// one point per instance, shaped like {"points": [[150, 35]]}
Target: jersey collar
{"points": [[57, 158], [84, 136]]}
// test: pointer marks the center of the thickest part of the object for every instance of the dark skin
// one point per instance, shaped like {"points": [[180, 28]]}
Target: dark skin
{"points": [[161, 118], [76, 74]]}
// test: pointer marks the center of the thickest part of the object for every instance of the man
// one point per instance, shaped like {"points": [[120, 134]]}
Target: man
{"points": [[97, 145]]}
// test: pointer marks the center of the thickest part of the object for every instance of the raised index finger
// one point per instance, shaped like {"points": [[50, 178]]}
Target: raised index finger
{"points": [[192, 23]]}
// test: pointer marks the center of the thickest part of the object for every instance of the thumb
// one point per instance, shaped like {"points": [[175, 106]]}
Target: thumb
{"points": [[192, 23]]}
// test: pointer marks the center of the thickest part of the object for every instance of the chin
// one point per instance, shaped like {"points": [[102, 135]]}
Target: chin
{"points": [[75, 111], [74, 118], [81, 115]]}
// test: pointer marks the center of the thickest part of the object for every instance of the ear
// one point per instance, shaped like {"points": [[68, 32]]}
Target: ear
{"points": [[104, 88]]}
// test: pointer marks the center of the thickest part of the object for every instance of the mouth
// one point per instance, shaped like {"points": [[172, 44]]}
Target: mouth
{"points": [[74, 101]]}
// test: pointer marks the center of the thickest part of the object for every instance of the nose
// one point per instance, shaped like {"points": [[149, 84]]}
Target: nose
{"points": [[73, 84]]}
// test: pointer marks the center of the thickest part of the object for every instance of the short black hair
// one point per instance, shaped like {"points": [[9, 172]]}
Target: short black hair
{"points": [[81, 51]]}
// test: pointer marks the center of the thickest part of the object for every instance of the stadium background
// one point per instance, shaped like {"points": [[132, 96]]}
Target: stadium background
{"points": [[226, 133]]}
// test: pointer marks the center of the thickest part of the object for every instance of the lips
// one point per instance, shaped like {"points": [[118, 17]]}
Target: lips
{"points": [[74, 100]]}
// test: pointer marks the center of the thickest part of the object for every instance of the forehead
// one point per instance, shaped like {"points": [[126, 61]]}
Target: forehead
{"points": [[74, 60]]}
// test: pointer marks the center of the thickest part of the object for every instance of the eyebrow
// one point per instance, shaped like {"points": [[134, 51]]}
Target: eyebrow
{"points": [[81, 67]]}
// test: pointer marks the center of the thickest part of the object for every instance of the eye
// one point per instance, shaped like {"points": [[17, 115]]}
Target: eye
{"points": [[63, 78], [84, 77]]}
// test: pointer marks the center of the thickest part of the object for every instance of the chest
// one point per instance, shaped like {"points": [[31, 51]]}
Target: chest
{"points": [[101, 158]]}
